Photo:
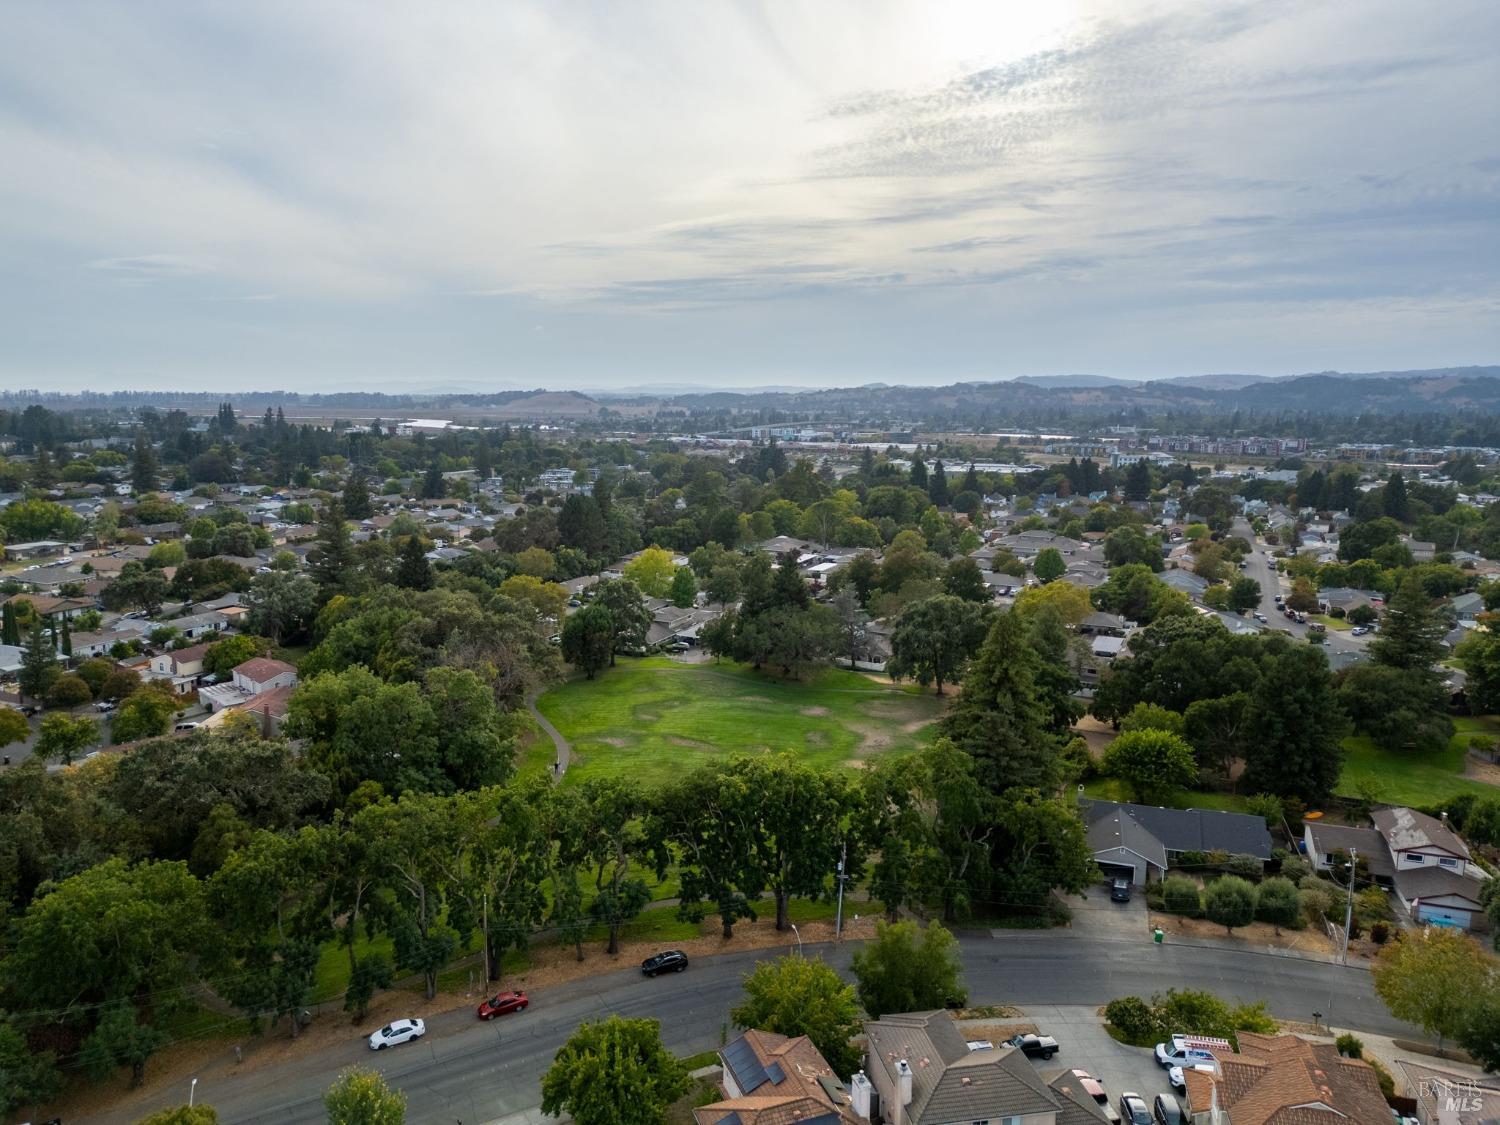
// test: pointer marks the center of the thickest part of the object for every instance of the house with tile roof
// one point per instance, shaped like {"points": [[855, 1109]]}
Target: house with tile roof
{"points": [[770, 1079], [1286, 1080], [924, 1073], [249, 681]]}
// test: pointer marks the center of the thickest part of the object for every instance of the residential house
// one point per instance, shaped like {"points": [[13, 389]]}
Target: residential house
{"points": [[253, 678], [1186, 581], [182, 667], [1418, 856], [769, 1079], [921, 1069], [1285, 1079], [1104, 624], [1346, 598], [41, 548], [199, 624], [1142, 841], [1446, 1097], [51, 608]]}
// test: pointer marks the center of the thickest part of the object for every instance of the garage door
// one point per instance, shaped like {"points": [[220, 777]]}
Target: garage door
{"points": [[1442, 916]]}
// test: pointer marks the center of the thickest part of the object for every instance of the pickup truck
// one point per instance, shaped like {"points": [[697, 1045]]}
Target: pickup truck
{"points": [[1034, 1046]]}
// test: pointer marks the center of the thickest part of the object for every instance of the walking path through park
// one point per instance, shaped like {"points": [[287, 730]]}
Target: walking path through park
{"points": [[564, 750]]}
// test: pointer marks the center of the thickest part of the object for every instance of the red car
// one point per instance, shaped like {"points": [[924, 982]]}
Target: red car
{"points": [[502, 1002]]}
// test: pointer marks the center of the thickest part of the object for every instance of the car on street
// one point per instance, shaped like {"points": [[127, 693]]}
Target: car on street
{"points": [[395, 1032], [671, 961], [1034, 1046], [1278, 599], [1092, 1087], [501, 1003], [1359, 630], [1177, 1053], [1133, 1110], [1119, 889], [1261, 617], [1167, 1110]]}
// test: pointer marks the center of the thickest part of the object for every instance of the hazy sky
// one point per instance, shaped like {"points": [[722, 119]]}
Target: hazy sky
{"points": [[328, 195]]}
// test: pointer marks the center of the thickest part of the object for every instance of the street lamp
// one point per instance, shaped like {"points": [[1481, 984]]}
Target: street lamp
{"points": [[192, 1092], [798, 935]]}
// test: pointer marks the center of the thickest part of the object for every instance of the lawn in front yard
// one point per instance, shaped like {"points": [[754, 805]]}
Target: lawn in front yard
{"points": [[1402, 778], [650, 719], [1113, 789]]}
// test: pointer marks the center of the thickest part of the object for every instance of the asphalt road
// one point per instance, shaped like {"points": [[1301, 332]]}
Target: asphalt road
{"points": [[467, 1072], [1260, 566]]}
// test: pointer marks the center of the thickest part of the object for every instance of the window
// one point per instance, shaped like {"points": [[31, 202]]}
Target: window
{"points": [[1415, 857], [1446, 861]]}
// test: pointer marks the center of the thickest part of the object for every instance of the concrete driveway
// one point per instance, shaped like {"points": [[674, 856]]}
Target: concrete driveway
{"points": [[1085, 1045], [1099, 918]]}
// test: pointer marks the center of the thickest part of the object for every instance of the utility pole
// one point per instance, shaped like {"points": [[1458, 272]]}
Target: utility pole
{"points": [[838, 917], [1349, 904], [485, 937]]}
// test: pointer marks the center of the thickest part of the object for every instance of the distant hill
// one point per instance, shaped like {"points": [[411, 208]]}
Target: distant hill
{"points": [[1074, 382]]}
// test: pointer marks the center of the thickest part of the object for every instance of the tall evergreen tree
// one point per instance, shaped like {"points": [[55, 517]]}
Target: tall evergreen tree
{"points": [[937, 487], [581, 525], [918, 471], [143, 467], [67, 638], [433, 485], [1293, 727], [1000, 717], [789, 587], [1138, 481], [331, 561], [971, 481], [10, 626], [1411, 635], [1393, 499], [38, 665], [413, 571], [357, 504]]}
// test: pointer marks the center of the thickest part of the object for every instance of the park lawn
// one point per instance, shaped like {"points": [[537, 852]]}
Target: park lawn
{"points": [[535, 753], [650, 719], [1113, 789], [1402, 778]]}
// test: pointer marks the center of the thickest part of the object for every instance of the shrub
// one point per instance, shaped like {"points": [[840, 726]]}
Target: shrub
{"points": [[1193, 1012], [1134, 1019], [1254, 1017], [1230, 901], [1245, 866], [1350, 1046], [1296, 868], [68, 691], [1383, 1076], [1180, 896], [1192, 861], [1314, 902], [1277, 902], [1267, 805], [1379, 932]]}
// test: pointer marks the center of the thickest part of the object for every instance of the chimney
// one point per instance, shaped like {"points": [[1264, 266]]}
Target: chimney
{"points": [[903, 1081]]}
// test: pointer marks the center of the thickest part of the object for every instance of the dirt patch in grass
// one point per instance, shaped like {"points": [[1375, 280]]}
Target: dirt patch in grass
{"points": [[692, 743], [816, 738], [1477, 769], [614, 740], [813, 712], [857, 764]]}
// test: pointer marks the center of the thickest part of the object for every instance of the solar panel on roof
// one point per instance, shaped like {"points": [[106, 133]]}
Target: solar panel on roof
{"points": [[744, 1066], [776, 1074]]}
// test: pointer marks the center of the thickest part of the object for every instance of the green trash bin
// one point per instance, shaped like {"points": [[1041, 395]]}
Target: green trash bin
{"points": [[1157, 936]]}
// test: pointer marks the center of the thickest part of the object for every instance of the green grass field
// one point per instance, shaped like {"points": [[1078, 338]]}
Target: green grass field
{"points": [[650, 719], [1415, 779]]}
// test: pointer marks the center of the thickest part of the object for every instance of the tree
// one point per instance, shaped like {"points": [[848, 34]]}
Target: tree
{"points": [[794, 996], [1137, 480], [963, 579], [1071, 602], [684, 590], [26, 1077], [627, 610], [1000, 717], [1411, 635], [143, 470], [1049, 565], [588, 639], [1293, 726], [1230, 902], [120, 1039], [1244, 594], [581, 524], [1277, 902], [549, 600], [361, 1097], [853, 622], [356, 497], [1128, 544], [38, 665], [145, 713], [1400, 709], [906, 969], [1393, 501], [1431, 978], [1479, 655], [282, 604], [933, 638], [67, 691], [614, 1072], [1304, 596], [10, 631], [413, 571], [651, 571], [1153, 763], [1480, 1034], [225, 655], [64, 737], [13, 726], [331, 561]]}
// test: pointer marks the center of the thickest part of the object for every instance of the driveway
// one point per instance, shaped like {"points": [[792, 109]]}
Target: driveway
{"points": [[1098, 918], [1085, 1045]]}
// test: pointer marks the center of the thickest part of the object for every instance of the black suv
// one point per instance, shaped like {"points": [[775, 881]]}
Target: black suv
{"points": [[672, 961]]}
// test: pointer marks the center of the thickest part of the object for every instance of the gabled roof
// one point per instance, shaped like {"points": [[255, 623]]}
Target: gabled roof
{"points": [[950, 1082], [1406, 830], [1195, 830], [259, 669], [1368, 843], [1118, 829], [1287, 1080], [781, 1081]]}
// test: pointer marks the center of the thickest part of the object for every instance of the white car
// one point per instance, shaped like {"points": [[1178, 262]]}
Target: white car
{"points": [[1178, 1081], [397, 1031]]}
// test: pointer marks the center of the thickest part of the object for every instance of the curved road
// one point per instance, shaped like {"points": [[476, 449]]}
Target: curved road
{"points": [[471, 1073]]}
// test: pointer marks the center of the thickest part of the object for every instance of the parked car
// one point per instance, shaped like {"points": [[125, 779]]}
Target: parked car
{"points": [[1133, 1110], [1168, 1111], [501, 1003], [395, 1032], [1175, 1074], [105, 705], [1119, 889], [186, 726], [1261, 617], [672, 961], [1278, 599], [1359, 630], [1095, 1089], [1178, 1053], [1034, 1046]]}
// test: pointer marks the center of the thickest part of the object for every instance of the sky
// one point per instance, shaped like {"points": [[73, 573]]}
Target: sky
{"points": [[372, 195]]}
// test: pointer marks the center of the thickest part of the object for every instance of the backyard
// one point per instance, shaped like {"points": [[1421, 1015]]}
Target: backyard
{"points": [[649, 719]]}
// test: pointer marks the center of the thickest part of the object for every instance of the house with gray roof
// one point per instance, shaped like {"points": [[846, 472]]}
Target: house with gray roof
{"points": [[922, 1069], [1147, 840]]}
